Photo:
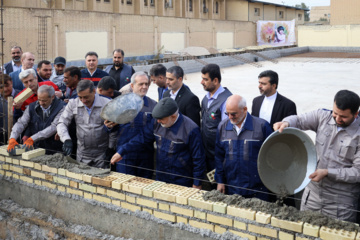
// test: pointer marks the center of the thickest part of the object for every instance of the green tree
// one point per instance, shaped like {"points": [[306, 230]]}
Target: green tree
{"points": [[306, 13]]}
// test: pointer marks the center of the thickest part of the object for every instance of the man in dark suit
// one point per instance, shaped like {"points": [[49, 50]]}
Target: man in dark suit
{"points": [[271, 106], [158, 76], [188, 103]]}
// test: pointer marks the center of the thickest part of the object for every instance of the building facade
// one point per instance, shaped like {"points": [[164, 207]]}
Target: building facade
{"points": [[322, 13], [344, 12]]}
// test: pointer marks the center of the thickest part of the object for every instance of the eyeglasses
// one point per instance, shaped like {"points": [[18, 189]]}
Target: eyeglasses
{"points": [[232, 114]]}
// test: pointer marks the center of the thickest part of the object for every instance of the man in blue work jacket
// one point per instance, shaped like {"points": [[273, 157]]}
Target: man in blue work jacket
{"points": [[238, 141], [180, 157]]}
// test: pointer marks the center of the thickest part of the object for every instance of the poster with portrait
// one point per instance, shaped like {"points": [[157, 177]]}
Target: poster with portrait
{"points": [[276, 33]]}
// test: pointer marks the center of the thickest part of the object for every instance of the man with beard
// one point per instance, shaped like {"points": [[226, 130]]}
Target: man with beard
{"points": [[271, 106], [27, 62], [57, 76], [44, 71], [15, 64], [120, 71], [238, 142], [158, 76], [334, 188]]}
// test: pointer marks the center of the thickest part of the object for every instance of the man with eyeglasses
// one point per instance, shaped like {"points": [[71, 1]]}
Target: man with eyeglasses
{"points": [[238, 142]]}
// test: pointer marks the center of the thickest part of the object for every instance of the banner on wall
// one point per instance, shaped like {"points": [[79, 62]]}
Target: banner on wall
{"points": [[276, 33]]}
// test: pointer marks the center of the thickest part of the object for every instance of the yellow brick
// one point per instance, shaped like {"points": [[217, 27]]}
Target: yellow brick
{"points": [[87, 187], [86, 178], [285, 236], [8, 174], [37, 182], [37, 174], [201, 225], [183, 211], [263, 217], [88, 195], [147, 210], [333, 234], [2, 172], [73, 184], [101, 199], [61, 188], [75, 191], [149, 189], [292, 226], [197, 201], [303, 238], [15, 176], [165, 207], [239, 225], [130, 206], [26, 179], [116, 202], [62, 181], [220, 207], [182, 219], [23, 95], [77, 176], [46, 168], [17, 169], [220, 220], [27, 163], [219, 229], [147, 203], [241, 212], [199, 214], [62, 171], [117, 184], [38, 166], [33, 153], [130, 199], [16, 161], [115, 194], [244, 235], [27, 171], [48, 185], [263, 230], [101, 190], [165, 216], [182, 198], [8, 159], [49, 178], [311, 230], [6, 166], [2, 158]]}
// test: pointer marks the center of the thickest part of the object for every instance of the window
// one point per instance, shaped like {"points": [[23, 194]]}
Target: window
{"points": [[145, 2], [168, 4], [299, 16], [281, 14], [129, 2], [152, 3], [205, 10], [122, 1], [217, 7], [190, 5], [106, 1], [257, 12], [98, 0]]}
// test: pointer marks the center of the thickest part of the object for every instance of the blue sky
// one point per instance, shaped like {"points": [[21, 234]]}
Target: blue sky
{"points": [[309, 3]]}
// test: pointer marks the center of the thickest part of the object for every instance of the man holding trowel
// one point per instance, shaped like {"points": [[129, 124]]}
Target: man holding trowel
{"points": [[334, 189]]}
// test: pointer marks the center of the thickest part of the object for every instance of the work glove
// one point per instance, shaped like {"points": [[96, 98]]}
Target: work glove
{"points": [[11, 147], [67, 147], [28, 144]]}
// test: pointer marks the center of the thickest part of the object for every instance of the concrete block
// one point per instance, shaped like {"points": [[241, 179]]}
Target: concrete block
{"points": [[49, 177], [101, 190], [182, 211], [164, 207], [130, 206], [62, 171], [33, 153], [243, 235], [311, 230], [37, 182], [201, 225], [165, 216], [87, 187], [263, 217], [197, 201], [333, 234], [148, 210], [147, 203], [23, 96], [104, 181], [117, 184], [130, 199], [180, 219], [239, 225], [46, 168], [116, 202], [61, 188], [37, 174], [73, 184], [263, 230], [62, 181], [292, 226], [26, 179], [77, 176], [48, 185], [27, 171], [285, 236], [88, 195], [199, 214], [219, 229], [74, 191], [26, 163], [219, 220], [182, 198], [220, 207], [168, 192], [17, 169], [87, 178], [149, 189], [241, 212], [115, 194], [136, 185], [101, 198]]}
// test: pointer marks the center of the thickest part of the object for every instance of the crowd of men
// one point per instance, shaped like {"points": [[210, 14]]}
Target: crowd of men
{"points": [[188, 138]]}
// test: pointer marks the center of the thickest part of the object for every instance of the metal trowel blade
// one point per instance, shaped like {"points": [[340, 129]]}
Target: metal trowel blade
{"points": [[71, 160]]}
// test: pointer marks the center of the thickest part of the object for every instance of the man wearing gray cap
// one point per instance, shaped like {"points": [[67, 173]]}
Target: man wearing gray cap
{"points": [[180, 156], [57, 76]]}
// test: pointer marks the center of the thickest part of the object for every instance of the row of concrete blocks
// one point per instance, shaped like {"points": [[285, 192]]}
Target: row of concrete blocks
{"points": [[166, 201]]}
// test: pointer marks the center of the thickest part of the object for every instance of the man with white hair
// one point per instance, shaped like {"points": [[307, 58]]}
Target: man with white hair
{"points": [[40, 119], [238, 141]]}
